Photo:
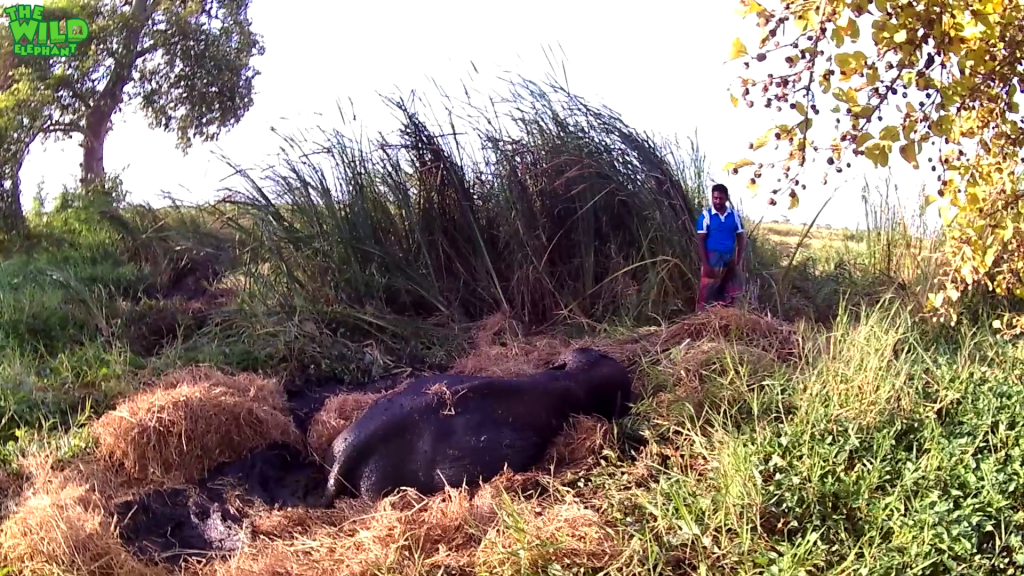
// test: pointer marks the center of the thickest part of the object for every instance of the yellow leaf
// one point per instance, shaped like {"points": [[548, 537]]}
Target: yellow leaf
{"points": [[990, 257], [738, 50], [878, 152], [749, 7], [909, 153], [794, 201], [739, 164], [825, 83], [863, 111], [947, 214], [807, 20], [890, 133], [863, 138], [752, 186], [801, 109], [881, 5], [900, 37], [930, 199], [954, 294], [908, 129], [873, 77], [735, 101]]}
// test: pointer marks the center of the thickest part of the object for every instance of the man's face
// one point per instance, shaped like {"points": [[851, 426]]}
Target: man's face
{"points": [[718, 200]]}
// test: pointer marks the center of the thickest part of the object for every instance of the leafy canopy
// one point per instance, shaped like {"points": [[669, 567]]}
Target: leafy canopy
{"points": [[186, 63], [946, 74]]}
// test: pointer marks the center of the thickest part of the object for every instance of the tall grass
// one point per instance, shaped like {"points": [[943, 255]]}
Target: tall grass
{"points": [[895, 251], [884, 452], [538, 204]]}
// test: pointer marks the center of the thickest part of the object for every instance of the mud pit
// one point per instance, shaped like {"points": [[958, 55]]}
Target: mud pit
{"points": [[169, 525]]}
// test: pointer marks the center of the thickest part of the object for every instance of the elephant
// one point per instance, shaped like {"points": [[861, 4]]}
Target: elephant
{"points": [[450, 430]]}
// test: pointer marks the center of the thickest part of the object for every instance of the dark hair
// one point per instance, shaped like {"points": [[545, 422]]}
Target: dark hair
{"points": [[720, 188]]}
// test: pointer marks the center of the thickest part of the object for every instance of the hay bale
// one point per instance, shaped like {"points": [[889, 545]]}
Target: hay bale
{"points": [[266, 391], [410, 534], [61, 527], [403, 534], [336, 414], [579, 446], [190, 421], [502, 350], [735, 325]]}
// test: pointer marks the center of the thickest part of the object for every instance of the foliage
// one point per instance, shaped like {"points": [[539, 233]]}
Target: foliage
{"points": [[948, 72], [886, 451], [187, 64], [546, 206]]}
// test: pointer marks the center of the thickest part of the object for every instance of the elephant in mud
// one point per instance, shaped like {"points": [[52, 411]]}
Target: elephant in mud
{"points": [[455, 430]]}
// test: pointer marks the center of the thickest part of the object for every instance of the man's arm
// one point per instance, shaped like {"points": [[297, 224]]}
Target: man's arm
{"points": [[741, 240], [702, 237]]}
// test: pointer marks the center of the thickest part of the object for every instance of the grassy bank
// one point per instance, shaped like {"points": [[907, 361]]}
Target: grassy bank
{"points": [[881, 445]]}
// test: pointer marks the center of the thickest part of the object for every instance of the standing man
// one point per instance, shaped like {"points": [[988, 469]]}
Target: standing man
{"points": [[721, 241]]}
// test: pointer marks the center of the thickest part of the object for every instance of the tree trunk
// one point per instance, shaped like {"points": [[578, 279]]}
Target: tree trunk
{"points": [[97, 119], [12, 219], [92, 146]]}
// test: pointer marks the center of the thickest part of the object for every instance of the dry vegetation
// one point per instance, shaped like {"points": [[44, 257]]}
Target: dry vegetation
{"points": [[191, 419]]}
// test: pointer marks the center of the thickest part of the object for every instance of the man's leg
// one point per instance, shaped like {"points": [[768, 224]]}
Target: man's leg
{"points": [[714, 286]]}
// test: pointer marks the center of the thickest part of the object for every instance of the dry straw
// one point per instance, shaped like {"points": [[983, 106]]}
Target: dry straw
{"points": [[501, 349], [191, 420], [61, 526], [336, 414], [410, 534]]}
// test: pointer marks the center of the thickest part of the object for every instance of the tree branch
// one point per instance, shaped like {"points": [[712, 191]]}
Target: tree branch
{"points": [[146, 51], [63, 128]]}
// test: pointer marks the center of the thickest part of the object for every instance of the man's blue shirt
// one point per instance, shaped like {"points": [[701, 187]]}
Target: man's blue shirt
{"points": [[720, 228]]}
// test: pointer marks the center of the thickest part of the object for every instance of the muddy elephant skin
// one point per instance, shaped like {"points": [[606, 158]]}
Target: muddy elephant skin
{"points": [[463, 430]]}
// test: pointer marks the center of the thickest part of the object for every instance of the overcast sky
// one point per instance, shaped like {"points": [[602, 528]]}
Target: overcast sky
{"points": [[659, 64]]}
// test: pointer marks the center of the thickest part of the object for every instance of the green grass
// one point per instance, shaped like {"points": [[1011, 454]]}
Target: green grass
{"points": [[890, 447], [884, 452]]}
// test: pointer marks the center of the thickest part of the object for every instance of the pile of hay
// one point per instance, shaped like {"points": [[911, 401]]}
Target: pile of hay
{"points": [[580, 445], [62, 525], [191, 420], [500, 349], [410, 534], [336, 414], [753, 331]]}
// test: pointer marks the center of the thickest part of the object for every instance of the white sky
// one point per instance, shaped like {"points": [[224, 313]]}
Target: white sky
{"points": [[659, 64]]}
